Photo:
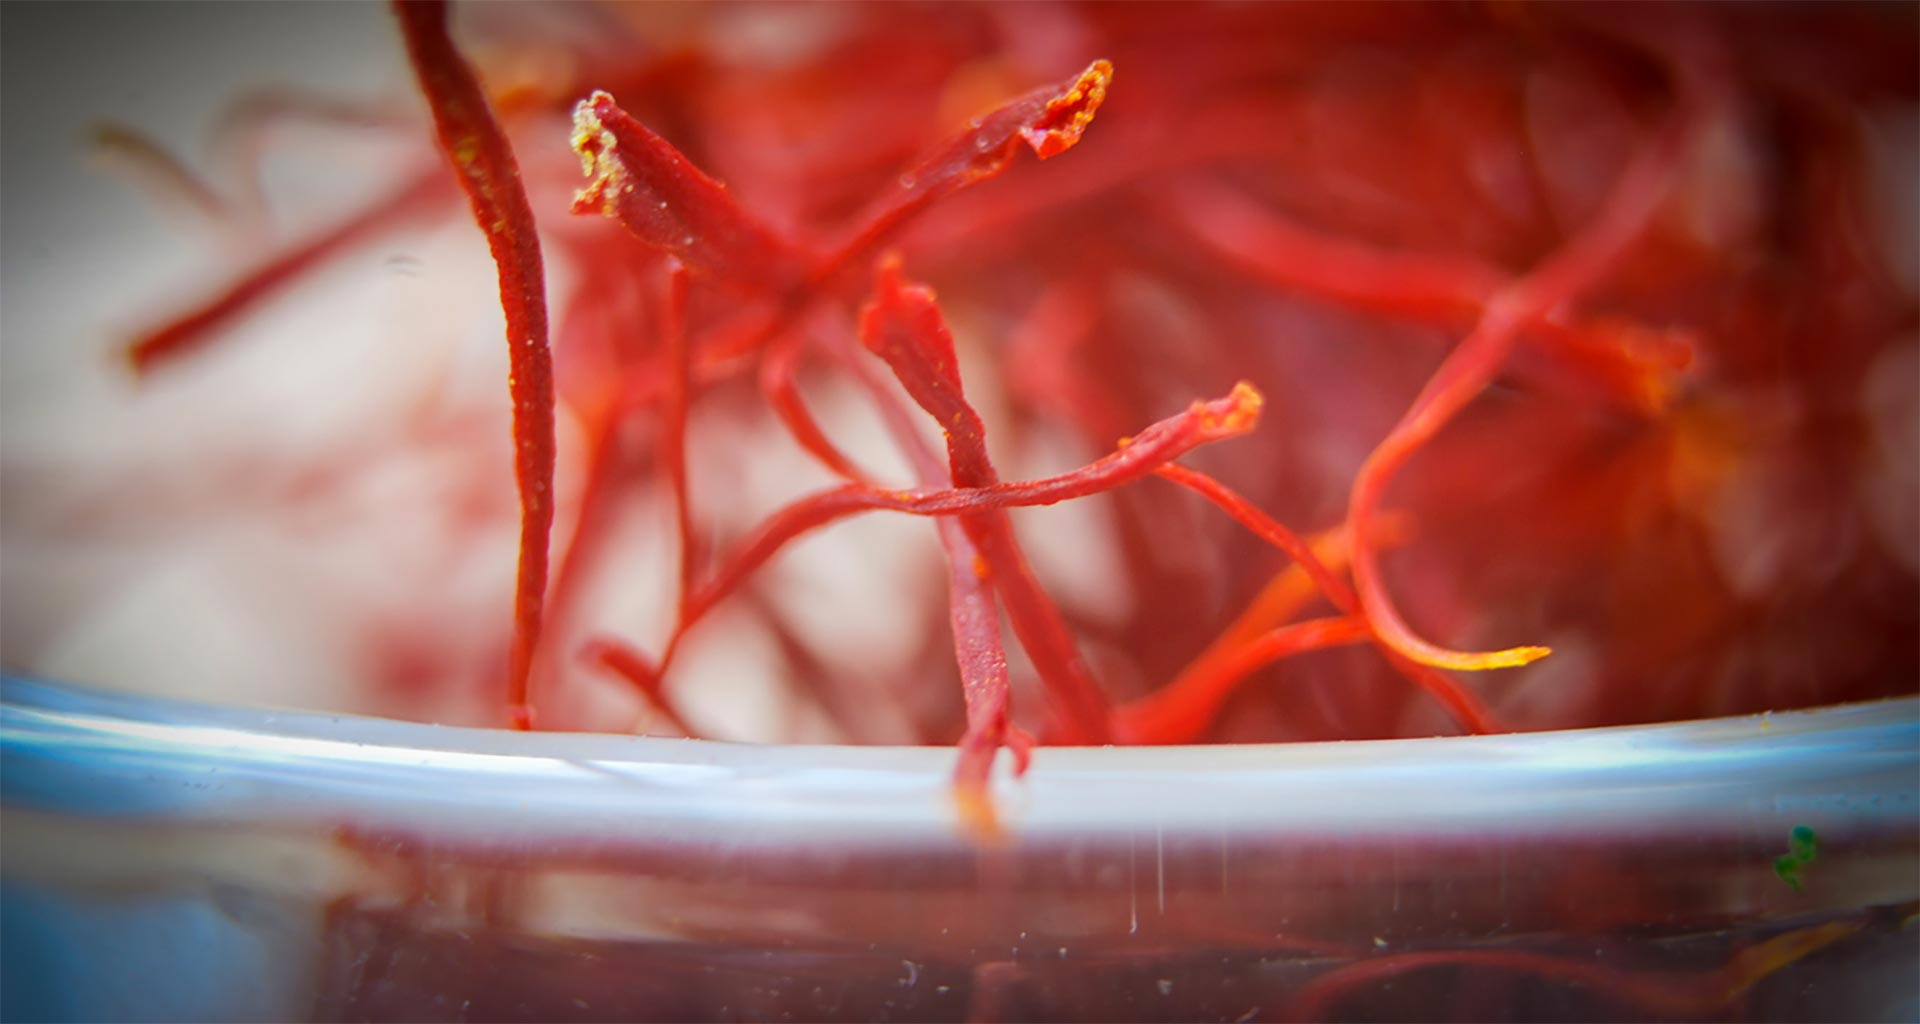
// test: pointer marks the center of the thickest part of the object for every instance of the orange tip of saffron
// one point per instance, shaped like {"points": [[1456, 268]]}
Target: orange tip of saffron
{"points": [[1246, 402], [1068, 115], [1235, 414], [978, 819], [1480, 661], [598, 160]]}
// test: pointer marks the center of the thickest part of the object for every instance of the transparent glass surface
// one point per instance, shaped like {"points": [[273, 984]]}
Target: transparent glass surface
{"points": [[175, 861]]}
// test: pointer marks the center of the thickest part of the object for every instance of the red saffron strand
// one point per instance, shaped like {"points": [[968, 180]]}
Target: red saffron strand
{"points": [[1262, 243], [1474, 362], [984, 686], [1684, 995], [1463, 705], [779, 382], [592, 529], [1293, 589], [1285, 595], [1267, 529], [979, 651], [904, 327], [673, 414], [1182, 710], [1466, 709], [973, 621], [640, 179], [617, 657], [482, 159], [1629, 363], [813, 676], [199, 326], [1200, 423], [660, 196], [1048, 120]]}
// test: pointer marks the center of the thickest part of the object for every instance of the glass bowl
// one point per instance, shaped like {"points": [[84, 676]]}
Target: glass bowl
{"points": [[167, 860]]}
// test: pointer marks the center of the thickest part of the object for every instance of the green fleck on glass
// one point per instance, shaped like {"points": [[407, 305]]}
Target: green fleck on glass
{"points": [[1788, 869], [1802, 847]]}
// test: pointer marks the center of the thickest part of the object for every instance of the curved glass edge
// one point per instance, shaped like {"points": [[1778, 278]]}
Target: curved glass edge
{"points": [[72, 751]]}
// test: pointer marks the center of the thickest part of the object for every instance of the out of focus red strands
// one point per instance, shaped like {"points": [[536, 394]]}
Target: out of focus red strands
{"points": [[1678, 994], [644, 676], [151, 166], [1568, 271], [200, 325], [1181, 711]]}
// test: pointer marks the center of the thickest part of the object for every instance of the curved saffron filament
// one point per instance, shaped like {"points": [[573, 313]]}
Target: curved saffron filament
{"points": [[1472, 365]]}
